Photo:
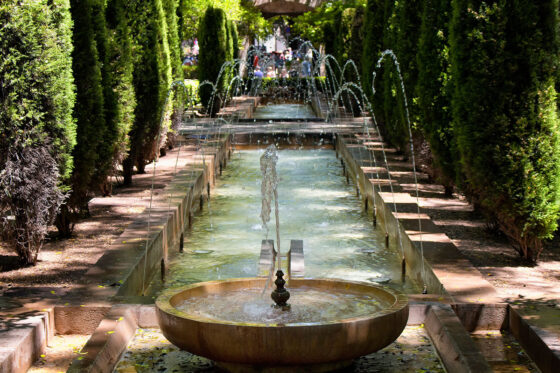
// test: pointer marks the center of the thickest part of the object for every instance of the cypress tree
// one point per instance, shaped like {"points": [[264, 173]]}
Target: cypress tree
{"points": [[355, 37], [235, 40], [151, 78], [170, 7], [160, 129], [176, 98], [388, 86], [408, 32], [120, 63], [404, 25], [37, 130], [109, 134], [504, 56], [433, 88], [89, 110], [373, 45], [212, 39], [374, 27], [228, 73], [331, 36]]}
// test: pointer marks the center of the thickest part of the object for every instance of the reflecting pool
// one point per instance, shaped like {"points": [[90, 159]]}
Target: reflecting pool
{"points": [[316, 206], [284, 111]]}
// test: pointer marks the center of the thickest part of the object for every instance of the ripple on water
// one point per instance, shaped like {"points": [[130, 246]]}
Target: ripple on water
{"points": [[308, 305]]}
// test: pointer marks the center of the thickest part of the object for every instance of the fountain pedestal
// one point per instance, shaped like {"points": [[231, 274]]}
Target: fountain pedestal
{"points": [[317, 346], [280, 295]]}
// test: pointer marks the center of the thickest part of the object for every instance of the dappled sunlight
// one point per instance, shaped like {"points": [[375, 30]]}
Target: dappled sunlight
{"points": [[314, 193]]}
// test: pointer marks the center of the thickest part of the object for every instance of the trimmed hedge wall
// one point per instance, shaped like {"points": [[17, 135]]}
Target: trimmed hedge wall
{"points": [[151, 78], [213, 43], [37, 129], [504, 56], [433, 89], [89, 111]]}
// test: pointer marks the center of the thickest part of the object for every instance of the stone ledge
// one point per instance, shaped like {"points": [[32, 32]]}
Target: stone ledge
{"points": [[24, 341], [454, 345]]}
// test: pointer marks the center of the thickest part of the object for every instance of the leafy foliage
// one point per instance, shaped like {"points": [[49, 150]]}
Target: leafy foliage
{"points": [[252, 23], [373, 29], [89, 111], [151, 79], [433, 87], [327, 26], [119, 61], [214, 52], [504, 56], [37, 130]]}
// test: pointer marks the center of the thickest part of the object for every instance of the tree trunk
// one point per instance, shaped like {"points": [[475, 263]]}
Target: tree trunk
{"points": [[128, 168]]}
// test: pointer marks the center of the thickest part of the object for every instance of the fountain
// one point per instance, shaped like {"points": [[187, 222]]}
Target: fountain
{"points": [[328, 323]]}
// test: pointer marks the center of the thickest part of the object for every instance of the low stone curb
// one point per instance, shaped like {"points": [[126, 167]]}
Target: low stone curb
{"points": [[454, 345], [24, 341], [542, 347]]}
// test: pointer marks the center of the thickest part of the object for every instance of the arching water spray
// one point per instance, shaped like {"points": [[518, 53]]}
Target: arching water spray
{"points": [[390, 53]]}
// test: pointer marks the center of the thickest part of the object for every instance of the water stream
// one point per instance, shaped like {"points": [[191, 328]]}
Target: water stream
{"points": [[316, 206], [284, 111]]}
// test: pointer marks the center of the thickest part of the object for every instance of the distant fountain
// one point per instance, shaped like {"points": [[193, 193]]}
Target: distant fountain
{"points": [[229, 322]]}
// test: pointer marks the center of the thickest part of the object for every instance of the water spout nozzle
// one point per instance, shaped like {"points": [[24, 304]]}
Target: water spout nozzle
{"points": [[280, 295]]}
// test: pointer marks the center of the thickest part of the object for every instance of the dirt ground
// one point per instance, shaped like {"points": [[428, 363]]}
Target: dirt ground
{"points": [[61, 263]]}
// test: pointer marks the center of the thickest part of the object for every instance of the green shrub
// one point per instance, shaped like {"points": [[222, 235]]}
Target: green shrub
{"points": [[403, 25], [89, 111], [234, 39], [37, 130], [504, 57], [108, 136], [119, 61], [433, 88], [406, 49], [388, 86], [170, 7], [351, 37], [190, 72], [191, 90], [372, 47], [151, 79], [177, 98], [213, 42]]}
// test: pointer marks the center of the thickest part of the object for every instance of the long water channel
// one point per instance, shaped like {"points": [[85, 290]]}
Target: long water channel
{"points": [[316, 206]]}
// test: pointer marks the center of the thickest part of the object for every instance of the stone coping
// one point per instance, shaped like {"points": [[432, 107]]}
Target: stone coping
{"points": [[452, 281]]}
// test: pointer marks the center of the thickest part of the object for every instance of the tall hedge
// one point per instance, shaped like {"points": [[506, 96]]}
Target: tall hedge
{"points": [[170, 7], [177, 97], [354, 38], [89, 110], [408, 32], [373, 30], [387, 86], [433, 88], [213, 42], [402, 38], [105, 162], [120, 62], [151, 78], [37, 130], [235, 38], [504, 57]]}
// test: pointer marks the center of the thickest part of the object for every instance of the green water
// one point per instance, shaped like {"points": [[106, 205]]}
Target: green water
{"points": [[284, 111], [316, 206]]}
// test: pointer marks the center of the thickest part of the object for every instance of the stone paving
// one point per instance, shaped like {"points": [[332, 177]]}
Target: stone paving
{"points": [[149, 351]]}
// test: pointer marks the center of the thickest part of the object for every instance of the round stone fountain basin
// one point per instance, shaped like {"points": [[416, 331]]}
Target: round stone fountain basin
{"points": [[283, 344]]}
